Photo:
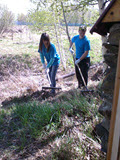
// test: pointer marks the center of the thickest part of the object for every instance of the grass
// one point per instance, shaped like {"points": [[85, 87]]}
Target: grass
{"points": [[27, 121], [95, 52], [19, 63], [23, 55], [65, 150], [23, 123]]}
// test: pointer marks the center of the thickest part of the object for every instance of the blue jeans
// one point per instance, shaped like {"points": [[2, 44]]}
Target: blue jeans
{"points": [[52, 74]]}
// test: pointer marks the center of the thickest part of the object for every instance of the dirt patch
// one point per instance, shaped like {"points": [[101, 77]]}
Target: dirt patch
{"points": [[31, 84], [43, 149]]}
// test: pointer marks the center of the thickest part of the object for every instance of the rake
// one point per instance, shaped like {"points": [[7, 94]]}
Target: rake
{"points": [[86, 89], [48, 77]]}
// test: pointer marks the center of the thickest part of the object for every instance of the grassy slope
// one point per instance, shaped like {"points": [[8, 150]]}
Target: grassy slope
{"points": [[64, 118], [58, 122]]}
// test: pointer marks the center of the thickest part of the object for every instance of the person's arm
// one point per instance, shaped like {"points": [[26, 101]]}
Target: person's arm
{"points": [[51, 62], [52, 56], [84, 55]]}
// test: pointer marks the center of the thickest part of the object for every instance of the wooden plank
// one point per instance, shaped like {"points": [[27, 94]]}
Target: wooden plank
{"points": [[119, 151], [113, 14], [114, 108], [116, 137], [65, 76]]}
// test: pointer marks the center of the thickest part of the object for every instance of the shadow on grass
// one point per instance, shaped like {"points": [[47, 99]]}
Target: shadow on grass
{"points": [[18, 141], [43, 144], [38, 95], [13, 134]]}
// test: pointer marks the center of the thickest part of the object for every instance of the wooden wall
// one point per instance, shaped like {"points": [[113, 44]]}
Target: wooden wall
{"points": [[114, 134]]}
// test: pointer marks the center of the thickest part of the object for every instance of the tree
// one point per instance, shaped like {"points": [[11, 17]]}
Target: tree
{"points": [[71, 5], [61, 8], [80, 7], [6, 19], [21, 17], [40, 18]]}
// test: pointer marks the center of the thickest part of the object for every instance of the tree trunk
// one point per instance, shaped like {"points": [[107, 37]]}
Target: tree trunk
{"points": [[61, 42], [65, 22], [56, 33]]}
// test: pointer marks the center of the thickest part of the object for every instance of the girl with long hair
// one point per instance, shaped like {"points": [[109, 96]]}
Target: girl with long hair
{"points": [[48, 51]]}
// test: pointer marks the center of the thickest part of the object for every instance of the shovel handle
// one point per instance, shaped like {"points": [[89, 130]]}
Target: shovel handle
{"points": [[82, 76], [48, 77]]}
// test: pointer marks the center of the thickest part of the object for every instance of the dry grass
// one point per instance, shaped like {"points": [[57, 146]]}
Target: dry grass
{"points": [[21, 76]]}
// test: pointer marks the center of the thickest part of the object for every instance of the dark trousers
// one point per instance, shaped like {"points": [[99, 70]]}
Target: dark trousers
{"points": [[84, 66]]}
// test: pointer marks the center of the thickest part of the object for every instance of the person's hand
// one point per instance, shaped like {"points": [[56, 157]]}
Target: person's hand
{"points": [[77, 61], [71, 50], [44, 66]]}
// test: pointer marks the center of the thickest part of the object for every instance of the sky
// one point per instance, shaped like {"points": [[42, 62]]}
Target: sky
{"points": [[18, 6]]}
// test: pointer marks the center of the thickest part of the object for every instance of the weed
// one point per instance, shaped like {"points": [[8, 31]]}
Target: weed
{"points": [[65, 150], [35, 115]]}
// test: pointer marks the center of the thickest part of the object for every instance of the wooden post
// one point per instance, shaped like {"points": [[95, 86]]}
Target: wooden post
{"points": [[114, 133]]}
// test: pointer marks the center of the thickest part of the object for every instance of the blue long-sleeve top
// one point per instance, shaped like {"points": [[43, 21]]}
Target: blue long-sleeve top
{"points": [[52, 57]]}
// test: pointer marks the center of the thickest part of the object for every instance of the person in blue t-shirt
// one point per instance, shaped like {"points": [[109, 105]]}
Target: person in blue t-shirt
{"points": [[48, 51], [82, 45]]}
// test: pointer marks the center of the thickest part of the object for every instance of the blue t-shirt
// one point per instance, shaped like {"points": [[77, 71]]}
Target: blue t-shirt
{"points": [[52, 56], [81, 45]]}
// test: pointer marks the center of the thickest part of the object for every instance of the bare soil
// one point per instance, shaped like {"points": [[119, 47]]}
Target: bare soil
{"points": [[23, 84]]}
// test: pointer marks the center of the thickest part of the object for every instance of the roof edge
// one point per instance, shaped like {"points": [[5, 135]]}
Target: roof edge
{"points": [[102, 16]]}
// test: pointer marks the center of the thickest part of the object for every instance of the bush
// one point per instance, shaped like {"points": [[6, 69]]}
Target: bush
{"points": [[6, 19]]}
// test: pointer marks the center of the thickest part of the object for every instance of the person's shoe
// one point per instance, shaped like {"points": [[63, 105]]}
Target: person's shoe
{"points": [[79, 86]]}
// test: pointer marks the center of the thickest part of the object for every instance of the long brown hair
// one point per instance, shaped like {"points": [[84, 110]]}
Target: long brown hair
{"points": [[44, 37]]}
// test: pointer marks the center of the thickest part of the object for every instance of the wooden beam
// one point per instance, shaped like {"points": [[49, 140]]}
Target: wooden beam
{"points": [[116, 135], [65, 76], [115, 108], [119, 151]]}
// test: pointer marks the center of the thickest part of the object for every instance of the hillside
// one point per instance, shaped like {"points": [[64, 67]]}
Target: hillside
{"points": [[36, 125]]}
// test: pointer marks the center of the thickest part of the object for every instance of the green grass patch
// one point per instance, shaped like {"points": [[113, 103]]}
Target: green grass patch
{"points": [[34, 116], [28, 121]]}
